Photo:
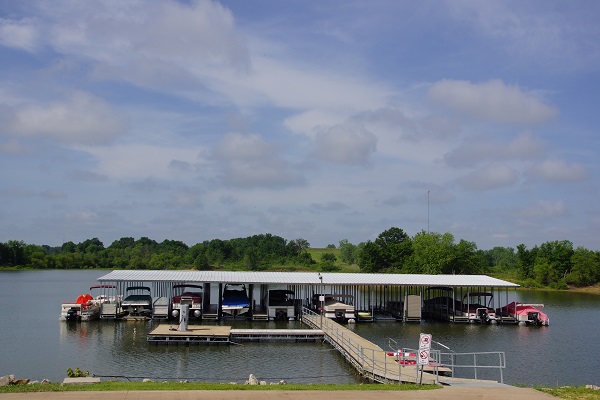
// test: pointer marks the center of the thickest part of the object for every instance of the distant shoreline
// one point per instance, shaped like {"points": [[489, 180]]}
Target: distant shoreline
{"points": [[594, 289]]}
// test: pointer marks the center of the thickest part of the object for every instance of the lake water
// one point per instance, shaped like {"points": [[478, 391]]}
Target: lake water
{"points": [[36, 345]]}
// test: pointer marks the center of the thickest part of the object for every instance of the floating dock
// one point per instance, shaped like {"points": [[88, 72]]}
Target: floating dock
{"points": [[199, 334], [169, 334]]}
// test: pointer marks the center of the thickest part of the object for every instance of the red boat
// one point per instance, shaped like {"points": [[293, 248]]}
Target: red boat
{"points": [[529, 314], [184, 295]]}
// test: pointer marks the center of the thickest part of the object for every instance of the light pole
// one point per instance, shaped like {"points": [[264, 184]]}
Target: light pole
{"points": [[428, 211], [322, 298]]}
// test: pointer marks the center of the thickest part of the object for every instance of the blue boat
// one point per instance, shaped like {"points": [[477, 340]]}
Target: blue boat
{"points": [[235, 299]]}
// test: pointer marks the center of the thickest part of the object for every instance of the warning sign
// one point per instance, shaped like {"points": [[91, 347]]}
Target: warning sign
{"points": [[425, 341], [424, 348], [423, 357]]}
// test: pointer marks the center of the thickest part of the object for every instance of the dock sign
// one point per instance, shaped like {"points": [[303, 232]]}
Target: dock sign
{"points": [[424, 348]]}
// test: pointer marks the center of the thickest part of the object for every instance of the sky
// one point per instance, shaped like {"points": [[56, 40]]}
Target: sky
{"points": [[321, 120]]}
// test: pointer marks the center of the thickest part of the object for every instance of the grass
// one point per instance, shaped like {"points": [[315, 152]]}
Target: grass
{"points": [[128, 386], [316, 255], [568, 392]]}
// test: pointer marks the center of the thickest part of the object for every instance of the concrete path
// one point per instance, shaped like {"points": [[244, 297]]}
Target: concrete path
{"points": [[446, 393]]}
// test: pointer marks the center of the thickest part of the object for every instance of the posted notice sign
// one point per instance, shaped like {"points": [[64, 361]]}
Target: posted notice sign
{"points": [[424, 348]]}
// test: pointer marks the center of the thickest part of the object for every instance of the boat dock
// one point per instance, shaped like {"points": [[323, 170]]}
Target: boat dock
{"points": [[281, 295], [200, 334], [371, 361]]}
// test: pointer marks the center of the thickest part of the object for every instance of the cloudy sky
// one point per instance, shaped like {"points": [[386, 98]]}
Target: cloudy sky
{"points": [[323, 120]]}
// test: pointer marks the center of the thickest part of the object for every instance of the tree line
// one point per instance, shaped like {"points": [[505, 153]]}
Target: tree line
{"points": [[251, 253], [555, 264]]}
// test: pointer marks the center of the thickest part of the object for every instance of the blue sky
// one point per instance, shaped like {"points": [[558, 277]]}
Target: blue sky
{"points": [[196, 120]]}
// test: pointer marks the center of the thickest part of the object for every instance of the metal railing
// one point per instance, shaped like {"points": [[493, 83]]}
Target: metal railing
{"points": [[488, 360], [373, 363]]}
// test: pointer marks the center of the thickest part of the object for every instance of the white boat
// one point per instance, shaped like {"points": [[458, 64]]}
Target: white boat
{"points": [[477, 307], [86, 307], [137, 302], [331, 306]]}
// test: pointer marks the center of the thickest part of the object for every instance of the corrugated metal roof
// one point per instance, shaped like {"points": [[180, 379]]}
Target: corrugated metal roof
{"points": [[303, 278]]}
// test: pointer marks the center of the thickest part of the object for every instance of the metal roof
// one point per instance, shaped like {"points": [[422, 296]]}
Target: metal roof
{"points": [[303, 278]]}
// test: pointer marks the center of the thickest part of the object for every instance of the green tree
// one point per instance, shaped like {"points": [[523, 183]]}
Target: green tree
{"points": [[90, 246], [201, 262], [526, 261], [542, 271], [252, 259], [558, 254], [586, 267], [501, 258], [467, 259], [14, 253], [348, 252], [394, 248], [433, 253], [328, 262], [369, 259]]}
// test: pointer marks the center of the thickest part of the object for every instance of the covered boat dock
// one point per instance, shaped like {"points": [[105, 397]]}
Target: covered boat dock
{"points": [[403, 297]]}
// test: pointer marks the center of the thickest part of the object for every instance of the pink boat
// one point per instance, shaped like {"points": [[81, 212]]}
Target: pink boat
{"points": [[529, 314]]}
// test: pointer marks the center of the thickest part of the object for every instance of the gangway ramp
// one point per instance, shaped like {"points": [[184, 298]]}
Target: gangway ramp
{"points": [[374, 363], [366, 357]]}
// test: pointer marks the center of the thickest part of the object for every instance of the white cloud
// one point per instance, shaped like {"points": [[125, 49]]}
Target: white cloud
{"points": [[247, 161], [551, 37], [349, 144], [312, 121], [493, 100], [489, 177], [81, 119], [199, 33], [280, 83], [558, 171], [18, 34], [139, 161], [484, 149], [543, 209]]}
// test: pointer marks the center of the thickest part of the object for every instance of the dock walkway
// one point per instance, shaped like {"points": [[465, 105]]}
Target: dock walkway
{"points": [[373, 363], [367, 358]]}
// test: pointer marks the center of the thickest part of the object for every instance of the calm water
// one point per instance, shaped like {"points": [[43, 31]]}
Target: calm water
{"points": [[36, 345]]}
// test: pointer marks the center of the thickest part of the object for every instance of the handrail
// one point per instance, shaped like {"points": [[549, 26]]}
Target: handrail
{"points": [[365, 360]]}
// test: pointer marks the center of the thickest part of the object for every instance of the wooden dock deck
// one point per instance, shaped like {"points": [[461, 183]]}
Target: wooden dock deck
{"points": [[195, 334]]}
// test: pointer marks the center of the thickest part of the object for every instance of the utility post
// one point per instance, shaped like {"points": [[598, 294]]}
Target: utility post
{"points": [[322, 298]]}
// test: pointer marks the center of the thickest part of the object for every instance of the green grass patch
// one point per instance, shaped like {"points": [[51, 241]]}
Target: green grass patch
{"points": [[128, 386], [568, 392], [316, 255]]}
